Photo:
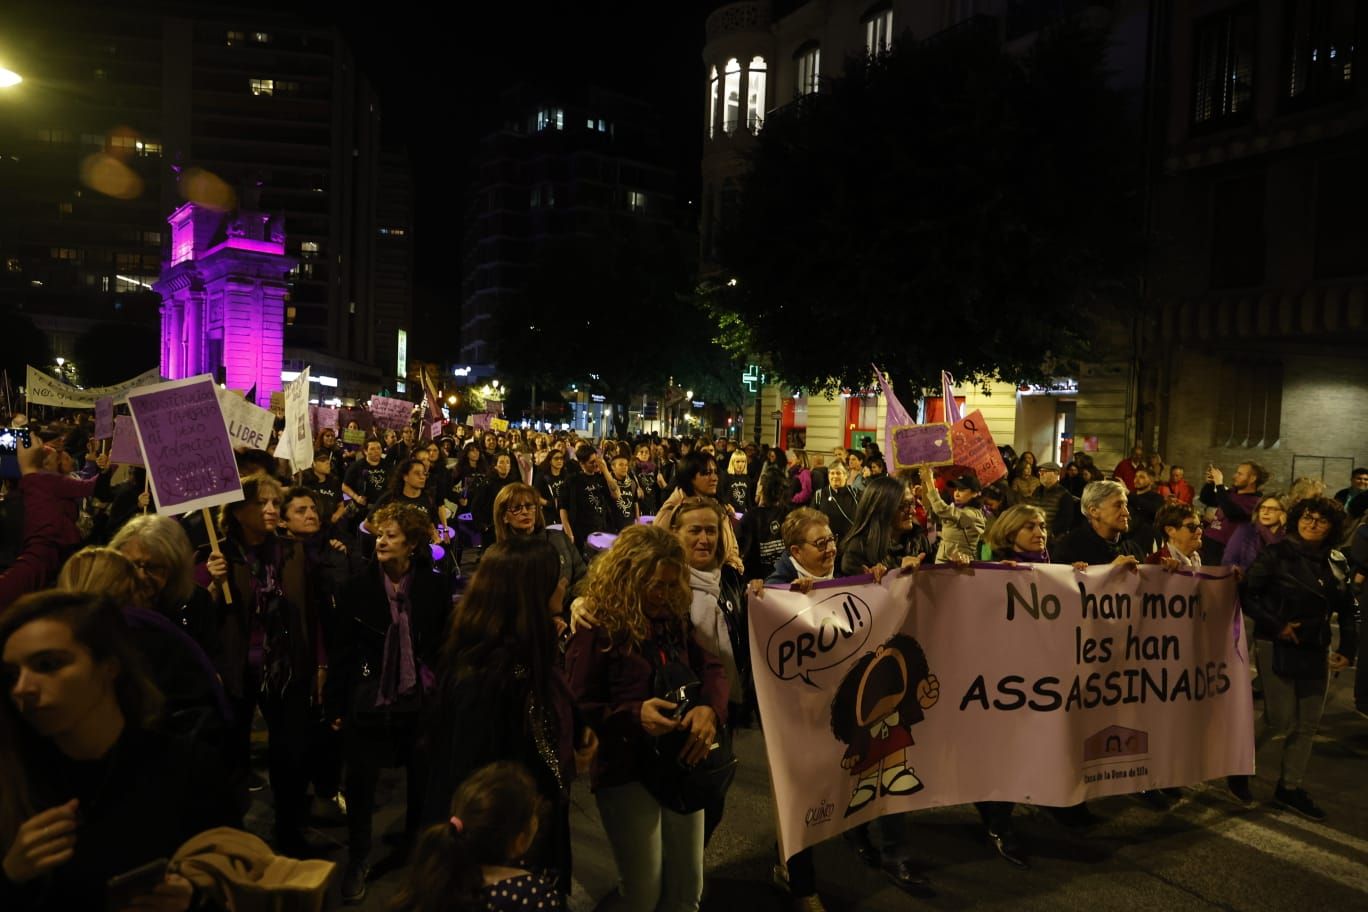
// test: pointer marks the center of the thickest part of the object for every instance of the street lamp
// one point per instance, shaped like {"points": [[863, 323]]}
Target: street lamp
{"points": [[9, 78]]}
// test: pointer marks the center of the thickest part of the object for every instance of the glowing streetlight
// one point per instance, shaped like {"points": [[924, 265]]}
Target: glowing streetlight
{"points": [[9, 78], [61, 361]]}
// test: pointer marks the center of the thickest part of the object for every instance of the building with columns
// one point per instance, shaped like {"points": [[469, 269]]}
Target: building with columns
{"points": [[765, 56], [223, 292]]}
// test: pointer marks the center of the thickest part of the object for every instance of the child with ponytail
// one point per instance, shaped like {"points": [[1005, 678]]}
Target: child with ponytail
{"points": [[470, 862]]}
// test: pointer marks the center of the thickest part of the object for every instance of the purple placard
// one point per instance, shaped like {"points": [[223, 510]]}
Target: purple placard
{"points": [[190, 461], [921, 444], [125, 450], [104, 417], [323, 417]]}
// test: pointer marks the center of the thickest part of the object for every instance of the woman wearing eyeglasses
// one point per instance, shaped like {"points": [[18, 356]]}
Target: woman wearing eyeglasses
{"points": [[885, 535], [1292, 590], [1250, 539], [811, 546], [518, 512]]}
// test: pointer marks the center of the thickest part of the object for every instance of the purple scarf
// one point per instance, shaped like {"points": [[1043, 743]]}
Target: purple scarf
{"points": [[398, 671]]}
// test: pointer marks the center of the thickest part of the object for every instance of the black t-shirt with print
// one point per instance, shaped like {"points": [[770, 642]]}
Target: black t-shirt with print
{"points": [[650, 491], [367, 480], [589, 505], [626, 503], [552, 490]]}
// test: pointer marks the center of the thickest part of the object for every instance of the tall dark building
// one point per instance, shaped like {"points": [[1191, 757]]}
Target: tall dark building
{"points": [[125, 114], [564, 162]]}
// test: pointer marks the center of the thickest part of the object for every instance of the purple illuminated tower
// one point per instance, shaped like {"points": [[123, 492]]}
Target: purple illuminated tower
{"points": [[223, 298]]}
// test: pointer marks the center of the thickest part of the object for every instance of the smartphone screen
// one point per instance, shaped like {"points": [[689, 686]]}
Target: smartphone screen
{"points": [[10, 441]]}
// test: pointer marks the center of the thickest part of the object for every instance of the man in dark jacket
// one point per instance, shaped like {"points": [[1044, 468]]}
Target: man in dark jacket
{"points": [[1103, 540], [1060, 507]]}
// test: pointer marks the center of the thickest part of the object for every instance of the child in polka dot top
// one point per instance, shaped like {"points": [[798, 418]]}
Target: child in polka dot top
{"points": [[470, 863]]}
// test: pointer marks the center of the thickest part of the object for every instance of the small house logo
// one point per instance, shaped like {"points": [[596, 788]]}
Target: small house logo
{"points": [[1115, 741]]}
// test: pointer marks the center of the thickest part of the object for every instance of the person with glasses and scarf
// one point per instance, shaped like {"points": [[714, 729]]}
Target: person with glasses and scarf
{"points": [[517, 514]]}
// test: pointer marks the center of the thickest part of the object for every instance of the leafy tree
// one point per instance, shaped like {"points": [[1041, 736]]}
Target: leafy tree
{"points": [[22, 344], [613, 315], [947, 205]]}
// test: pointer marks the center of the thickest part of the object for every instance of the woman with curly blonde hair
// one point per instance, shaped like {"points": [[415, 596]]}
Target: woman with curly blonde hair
{"points": [[637, 597]]}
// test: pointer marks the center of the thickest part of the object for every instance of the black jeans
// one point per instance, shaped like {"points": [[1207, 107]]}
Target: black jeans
{"points": [[367, 752], [290, 736]]}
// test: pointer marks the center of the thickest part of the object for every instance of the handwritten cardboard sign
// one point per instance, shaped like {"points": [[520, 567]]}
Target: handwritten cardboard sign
{"points": [[498, 424], [921, 444], [391, 413], [104, 418], [124, 449], [353, 437], [974, 448], [296, 441], [248, 425], [184, 441]]}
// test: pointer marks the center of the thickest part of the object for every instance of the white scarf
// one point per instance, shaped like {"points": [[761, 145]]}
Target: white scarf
{"points": [[804, 574], [709, 625]]}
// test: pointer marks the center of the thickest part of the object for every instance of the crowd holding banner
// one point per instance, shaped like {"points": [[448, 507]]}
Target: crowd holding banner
{"points": [[899, 627]]}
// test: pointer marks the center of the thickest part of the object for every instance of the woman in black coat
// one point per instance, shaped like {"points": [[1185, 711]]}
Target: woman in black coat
{"points": [[517, 514], [1291, 592], [391, 619]]}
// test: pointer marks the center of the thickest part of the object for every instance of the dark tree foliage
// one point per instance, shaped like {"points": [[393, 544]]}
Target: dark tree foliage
{"points": [[613, 314], [109, 353], [945, 206], [22, 344]]}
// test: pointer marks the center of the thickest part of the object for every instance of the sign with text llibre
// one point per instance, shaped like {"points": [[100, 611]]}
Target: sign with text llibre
{"points": [[190, 463]]}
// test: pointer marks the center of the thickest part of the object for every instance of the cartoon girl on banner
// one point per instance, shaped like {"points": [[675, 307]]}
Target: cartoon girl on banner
{"points": [[882, 696]]}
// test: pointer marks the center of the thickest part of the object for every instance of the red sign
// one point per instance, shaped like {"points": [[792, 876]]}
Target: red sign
{"points": [[974, 448]]}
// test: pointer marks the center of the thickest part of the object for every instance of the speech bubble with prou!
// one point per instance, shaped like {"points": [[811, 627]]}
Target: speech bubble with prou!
{"points": [[823, 635]]}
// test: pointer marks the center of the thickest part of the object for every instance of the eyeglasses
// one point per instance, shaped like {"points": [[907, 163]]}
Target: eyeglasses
{"points": [[150, 566], [1314, 520], [1193, 526], [822, 544], [521, 508]]}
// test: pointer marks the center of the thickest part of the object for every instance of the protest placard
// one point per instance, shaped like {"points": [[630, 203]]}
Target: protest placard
{"points": [[1030, 683], [353, 437], [40, 389], [248, 425], [185, 444], [391, 413], [124, 449], [974, 448], [920, 444], [324, 417], [104, 418], [498, 424], [296, 441], [480, 421]]}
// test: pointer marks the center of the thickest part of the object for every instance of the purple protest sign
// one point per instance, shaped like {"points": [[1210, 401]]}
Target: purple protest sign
{"points": [[189, 458], [480, 422], [104, 418], [125, 450], [921, 444], [323, 417]]}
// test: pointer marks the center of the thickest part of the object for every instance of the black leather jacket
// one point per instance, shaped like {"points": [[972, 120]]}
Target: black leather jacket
{"points": [[1292, 581]]}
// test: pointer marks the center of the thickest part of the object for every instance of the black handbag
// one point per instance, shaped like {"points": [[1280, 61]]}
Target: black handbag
{"points": [[677, 787]]}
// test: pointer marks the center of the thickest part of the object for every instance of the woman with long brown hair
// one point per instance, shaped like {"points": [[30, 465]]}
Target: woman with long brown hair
{"points": [[501, 695], [637, 594]]}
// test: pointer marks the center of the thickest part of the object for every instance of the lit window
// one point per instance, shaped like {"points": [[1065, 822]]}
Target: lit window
{"points": [[235, 37], [603, 125], [262, 86], [807, 64], [731, 114], [755, 95], [879, 31], [12, 264], [149, 149], [64, 253], [309, 248], [713, 83], [290, 313], [636, 201], [261, 37], [550, 117], [590, 124], [152, 238], [1224, 82], [182, 242]]}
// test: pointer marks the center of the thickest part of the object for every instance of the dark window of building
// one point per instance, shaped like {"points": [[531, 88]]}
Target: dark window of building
{"points": [[1249, 412], [1223, 78], [1318, 64], [1341, 228], [1237, 232]]}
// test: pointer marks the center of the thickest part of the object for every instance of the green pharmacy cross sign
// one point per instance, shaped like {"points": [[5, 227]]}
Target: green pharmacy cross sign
{"points": [[753, 378]]}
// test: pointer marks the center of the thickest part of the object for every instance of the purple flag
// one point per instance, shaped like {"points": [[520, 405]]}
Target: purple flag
{"points": [[952, 409], [896, 415]]}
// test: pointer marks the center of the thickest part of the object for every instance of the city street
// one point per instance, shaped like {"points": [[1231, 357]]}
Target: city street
{"points": [[1207, 853]]}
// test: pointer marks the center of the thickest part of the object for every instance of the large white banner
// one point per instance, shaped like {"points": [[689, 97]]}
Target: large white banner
{"points": [[40, 389], [1036, 684]]}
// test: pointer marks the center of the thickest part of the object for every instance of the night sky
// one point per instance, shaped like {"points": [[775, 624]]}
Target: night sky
{"points": [[440, 82]]}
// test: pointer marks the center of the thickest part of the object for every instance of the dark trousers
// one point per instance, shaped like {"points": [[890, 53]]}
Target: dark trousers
{"points": [[366, 753], [288, 739]]}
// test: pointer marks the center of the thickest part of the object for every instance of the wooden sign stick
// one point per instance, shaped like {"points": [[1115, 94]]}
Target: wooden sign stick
{"points": [[214, 548]]}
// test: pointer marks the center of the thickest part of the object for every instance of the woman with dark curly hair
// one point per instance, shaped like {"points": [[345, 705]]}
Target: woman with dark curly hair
{"points": [[637, 595], [1293, 589], [390, 620]]}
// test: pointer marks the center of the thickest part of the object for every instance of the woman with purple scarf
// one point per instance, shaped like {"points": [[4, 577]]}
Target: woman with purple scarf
{"points": [[390, 620], [1250, 539]]}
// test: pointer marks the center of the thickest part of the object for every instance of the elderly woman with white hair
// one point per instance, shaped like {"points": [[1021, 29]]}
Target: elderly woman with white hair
{"points": [[165, 560], [1104, 539]]}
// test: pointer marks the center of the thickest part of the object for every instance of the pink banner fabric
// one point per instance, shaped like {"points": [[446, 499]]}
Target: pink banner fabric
{"points": [[1036, 684]]}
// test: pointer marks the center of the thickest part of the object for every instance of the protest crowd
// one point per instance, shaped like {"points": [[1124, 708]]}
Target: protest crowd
{"points": [[499, 612]]}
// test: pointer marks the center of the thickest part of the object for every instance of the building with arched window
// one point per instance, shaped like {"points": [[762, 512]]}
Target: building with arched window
{"points": [[763, 57]]}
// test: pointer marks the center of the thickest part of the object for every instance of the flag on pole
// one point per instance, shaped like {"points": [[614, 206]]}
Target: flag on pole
{"points": [[430, 397], [952, 409], [895, 415]]}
